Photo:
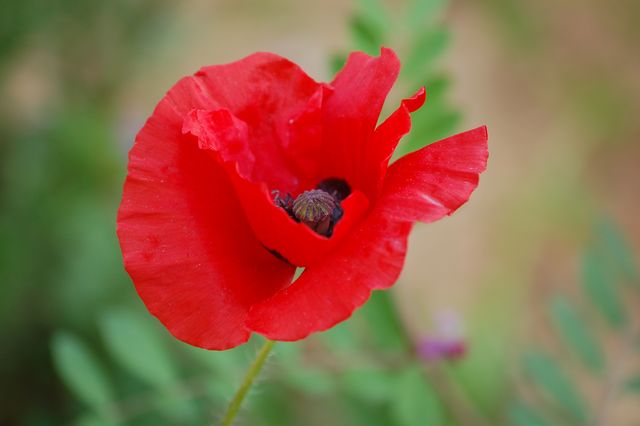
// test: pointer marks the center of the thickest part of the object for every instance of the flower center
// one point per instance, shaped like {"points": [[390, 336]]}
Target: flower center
{"points": [[314, 208], [318, 208]]}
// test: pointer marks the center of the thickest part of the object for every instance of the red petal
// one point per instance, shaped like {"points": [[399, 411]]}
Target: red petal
{"points": [[443, 174], [386, 138], [221, 131], [352, 111], [186, 245], [266, 92], [328, 293], [225, 135], [303, 145], [437, 179], [293, 240]]}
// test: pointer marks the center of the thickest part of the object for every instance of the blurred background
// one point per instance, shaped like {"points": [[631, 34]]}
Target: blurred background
{"points": [[534, 282]]}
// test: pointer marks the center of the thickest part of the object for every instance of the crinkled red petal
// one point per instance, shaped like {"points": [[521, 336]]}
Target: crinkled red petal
{"points": [[266, 92], [328, 293], [293, 240], [197, 221], [425, 186], [225, 135], [303, 146], [352, 111], [188, 248], [385, 140], [436, 180], [220, 131]]}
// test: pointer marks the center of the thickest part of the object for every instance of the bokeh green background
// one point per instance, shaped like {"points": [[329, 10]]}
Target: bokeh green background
{"points": [[558, 85]]}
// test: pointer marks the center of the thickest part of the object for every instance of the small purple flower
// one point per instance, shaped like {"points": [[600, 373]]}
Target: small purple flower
{"points": [[447, 342]]}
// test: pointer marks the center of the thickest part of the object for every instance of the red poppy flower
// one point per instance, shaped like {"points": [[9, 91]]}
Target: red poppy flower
{"points": [[248, 170]]}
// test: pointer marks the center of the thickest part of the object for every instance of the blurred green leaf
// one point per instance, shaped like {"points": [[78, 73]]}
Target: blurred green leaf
{"points": [[619, 249], [81, 371], [415, 401], [312, 381], [226, 365], [176, 406], [369, 384], [270, 405], [382, 317], [435, 124], [421, 13], [366, 35], [308, 379], [137, 347], [430, 124], [360, 412], [425, 50], [573, 330], [521, 414], [288, 352], [375, 12], [555, 384], [92, 420], [337, 61], [20, 19], [343, 338], [600, 288], [436, 88], [633, 385], [92, 251]]}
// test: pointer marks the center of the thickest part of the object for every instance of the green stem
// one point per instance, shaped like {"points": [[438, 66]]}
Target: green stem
{"points": [[249, 378]]}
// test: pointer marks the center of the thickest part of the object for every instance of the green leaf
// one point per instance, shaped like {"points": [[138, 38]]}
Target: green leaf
{"points": [[573, 330], [226, 365], [437, 87], [386, 326], [618, 248], [176, 406], [368, 384], [421, 13], [435, 124], [415, 401], [270, 405], [337, 61], [600, 288], [633, 385], [366, 35], [431, 125], [312, 381], [135, 344], [358, 412], [376, 13], [309, 379], [92, 420], [555, 384], [425, 50], [288, 353], [81, 371], [342, 339], [521, 414]]}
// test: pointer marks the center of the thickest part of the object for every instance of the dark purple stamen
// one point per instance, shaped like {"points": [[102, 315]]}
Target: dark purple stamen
{"points": [[336, 187], [318, 208], [285, 203]]}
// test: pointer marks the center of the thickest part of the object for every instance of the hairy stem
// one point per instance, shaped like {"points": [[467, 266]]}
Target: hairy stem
{"points": [[249, 378]]}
